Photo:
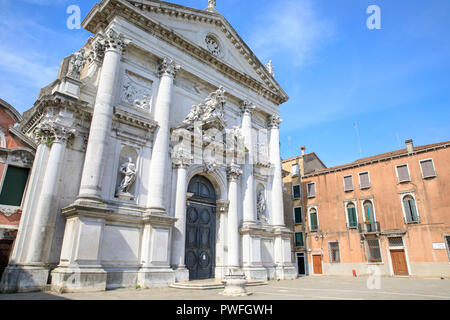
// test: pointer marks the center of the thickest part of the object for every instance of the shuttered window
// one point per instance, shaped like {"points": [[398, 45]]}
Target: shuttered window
{"points": [[364, 180], [427, 168], [299, 239], [351, 215], [348, 183], [313, 219], [368, 211], [311, 190], [334, 251], [403, 173], [14, 186], [296, 192], [373, 251], [447, 240], [409, 205], [294, 170], [298, 215]]}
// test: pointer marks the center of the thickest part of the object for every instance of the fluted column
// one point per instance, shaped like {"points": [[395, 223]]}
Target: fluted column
{"points": [[277, 182], [234, 172], [181, 161], [97, 149], [160, 155], [39, 240], [248, 179]]}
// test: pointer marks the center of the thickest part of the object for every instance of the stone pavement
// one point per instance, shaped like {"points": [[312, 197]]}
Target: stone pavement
{"points": [[307, 288]]}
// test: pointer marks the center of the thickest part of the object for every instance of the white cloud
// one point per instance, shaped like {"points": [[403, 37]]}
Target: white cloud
{"points": [[291, 28]]}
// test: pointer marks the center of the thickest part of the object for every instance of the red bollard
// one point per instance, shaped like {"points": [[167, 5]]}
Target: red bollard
{"points": [[354, 272]]}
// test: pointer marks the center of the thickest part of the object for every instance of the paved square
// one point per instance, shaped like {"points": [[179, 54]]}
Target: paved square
{"points": [[307, 288]]}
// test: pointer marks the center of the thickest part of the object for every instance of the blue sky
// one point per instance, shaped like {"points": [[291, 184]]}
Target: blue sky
{"points": [[393, 82]]}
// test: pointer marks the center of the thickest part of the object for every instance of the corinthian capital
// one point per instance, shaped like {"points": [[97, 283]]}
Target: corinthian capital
{"points": [[234, 172], [168, 67], [275, 121], [114, 42], [247, 107], [53, 132], [181, 158]]}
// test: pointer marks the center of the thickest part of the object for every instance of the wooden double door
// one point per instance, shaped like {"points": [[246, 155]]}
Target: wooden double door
{"points": [[317, 264], [200, 254]]}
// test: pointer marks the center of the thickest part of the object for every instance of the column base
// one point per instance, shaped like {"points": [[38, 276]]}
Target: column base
{"points": [[255, 273], [24, 279], [287, 272], [156, 277], [181, 274], [78, 279]]}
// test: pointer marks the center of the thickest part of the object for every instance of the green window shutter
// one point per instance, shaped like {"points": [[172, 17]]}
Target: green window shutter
{"points": [[412, 206], [298, 215], [14, 186], [299, 239], [313, 221], [351, 217]]}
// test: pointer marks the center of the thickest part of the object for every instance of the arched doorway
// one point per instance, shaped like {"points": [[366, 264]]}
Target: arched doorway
{"points": [[201, 229]]}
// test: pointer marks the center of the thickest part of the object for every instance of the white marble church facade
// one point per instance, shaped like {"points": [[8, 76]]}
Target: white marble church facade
{"points": [[158, 158]]}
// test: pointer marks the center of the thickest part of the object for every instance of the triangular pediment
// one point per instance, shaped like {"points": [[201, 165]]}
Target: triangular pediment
{"points": [[198, 27]]}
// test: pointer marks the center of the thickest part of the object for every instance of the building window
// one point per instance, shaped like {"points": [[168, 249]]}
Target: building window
{"points": [[348, 183], [427, 168], [311, 189], [403, 173], [395, 242], [352, 219], [410, 209], [373, 251], [296, 192], [14, 186], [314, 223], [298, 215], [299, 239], [334, 252], [364, 180], [294, 170], [369, 215]]}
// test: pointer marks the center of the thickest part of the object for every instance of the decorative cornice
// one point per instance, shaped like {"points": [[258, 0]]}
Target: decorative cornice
{"points": [[275, 121], [247, 107], [234, 172], [134, 120], [103, 14], [168, 67]]}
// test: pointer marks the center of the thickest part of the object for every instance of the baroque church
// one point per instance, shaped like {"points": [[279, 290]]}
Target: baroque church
{"points": [[157, 159]]}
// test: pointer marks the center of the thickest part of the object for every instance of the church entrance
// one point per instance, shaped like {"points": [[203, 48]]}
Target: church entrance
{"points": [[201, 229]]}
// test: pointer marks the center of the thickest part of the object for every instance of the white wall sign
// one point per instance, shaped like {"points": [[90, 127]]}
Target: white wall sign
{"points": [[439, 246]]}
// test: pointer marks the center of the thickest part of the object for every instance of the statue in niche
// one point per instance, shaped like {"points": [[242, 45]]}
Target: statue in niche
{"points": [[76, 64], [261, 206], [128, 169]]}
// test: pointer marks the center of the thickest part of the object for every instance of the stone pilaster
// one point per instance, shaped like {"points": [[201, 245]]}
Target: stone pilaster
{"points": [[91, 181], [234, 173], [160, 155], [277, 183], [181, 161]]}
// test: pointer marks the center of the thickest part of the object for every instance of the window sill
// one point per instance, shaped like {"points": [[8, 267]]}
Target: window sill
{"points": [[365, 188], [429, 177], [405, 181], [298, 223], [374, 263], [311, 197]]}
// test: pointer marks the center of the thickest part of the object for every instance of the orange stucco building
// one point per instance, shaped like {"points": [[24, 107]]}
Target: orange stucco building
{"points": [[388, 213]]}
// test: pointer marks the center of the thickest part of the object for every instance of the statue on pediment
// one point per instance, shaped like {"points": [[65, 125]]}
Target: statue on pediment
{"points": [[76, 64]]}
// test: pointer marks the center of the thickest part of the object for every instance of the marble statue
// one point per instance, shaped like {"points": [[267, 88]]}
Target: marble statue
{"points": [[129, 170], [76, 64]]}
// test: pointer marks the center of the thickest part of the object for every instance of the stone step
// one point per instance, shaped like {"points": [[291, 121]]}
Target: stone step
{"points": [[210, 285]]}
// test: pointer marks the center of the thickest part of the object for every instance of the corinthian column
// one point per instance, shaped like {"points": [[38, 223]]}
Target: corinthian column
{"points": [[91, 181], [277, 183], [181, 160], [247, 177], [234, 172], [39, 240], [160, 155]]}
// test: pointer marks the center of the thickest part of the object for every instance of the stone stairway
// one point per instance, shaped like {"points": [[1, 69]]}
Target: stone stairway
{"points": [[210, 284]]}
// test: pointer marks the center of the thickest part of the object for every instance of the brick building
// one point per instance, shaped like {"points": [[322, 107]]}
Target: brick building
{"points": [[391, 211], [16, 159]]}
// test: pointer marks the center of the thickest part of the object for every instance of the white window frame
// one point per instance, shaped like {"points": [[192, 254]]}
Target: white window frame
{"points": [[300, 187], [434, 168], [346, 203], [364, 212], [403, 195], [297, 172], [339, 249], [396, 172], [315, 190], [293, 213], [309, 218], [353, 183], [359, 179]]}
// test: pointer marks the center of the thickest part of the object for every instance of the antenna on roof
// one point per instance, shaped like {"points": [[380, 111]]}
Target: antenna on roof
{"points": [[355, 124]]}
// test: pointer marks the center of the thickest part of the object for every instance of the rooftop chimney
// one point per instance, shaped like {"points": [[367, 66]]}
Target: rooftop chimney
{"points": [[409, 146], [303, 150]]}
